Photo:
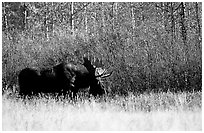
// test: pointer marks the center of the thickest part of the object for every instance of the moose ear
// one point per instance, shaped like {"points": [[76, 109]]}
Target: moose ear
{"points": [[85, 59], [98, 62], [87, 63]]}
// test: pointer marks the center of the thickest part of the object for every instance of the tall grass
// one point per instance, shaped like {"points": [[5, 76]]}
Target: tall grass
{"points": [[154, 111]]}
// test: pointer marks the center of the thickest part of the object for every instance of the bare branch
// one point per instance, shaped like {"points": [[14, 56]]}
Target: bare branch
{"points": [[80, 9], [161, 8]]}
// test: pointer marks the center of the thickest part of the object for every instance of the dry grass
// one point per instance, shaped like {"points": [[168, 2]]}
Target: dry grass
{"points": [[163, 111]]}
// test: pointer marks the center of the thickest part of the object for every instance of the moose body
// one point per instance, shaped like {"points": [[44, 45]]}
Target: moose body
{"points": [[61, 79]]}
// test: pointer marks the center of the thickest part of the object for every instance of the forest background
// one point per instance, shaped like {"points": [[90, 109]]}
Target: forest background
{"points": [[150, 47]]}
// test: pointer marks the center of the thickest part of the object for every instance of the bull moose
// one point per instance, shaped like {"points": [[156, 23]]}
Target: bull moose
{"points": [[62, 79]]}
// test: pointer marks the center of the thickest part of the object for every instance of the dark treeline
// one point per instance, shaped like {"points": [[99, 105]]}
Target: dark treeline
{"points": [[149, 46]]}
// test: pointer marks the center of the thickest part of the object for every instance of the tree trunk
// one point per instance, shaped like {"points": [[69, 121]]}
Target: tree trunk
{"points": [[112, 18], [182, 24], [86, 20], [184, 38], [71, 17], [103, 18], [198, 30], [133, 16], [172, 23], [5, 20]]}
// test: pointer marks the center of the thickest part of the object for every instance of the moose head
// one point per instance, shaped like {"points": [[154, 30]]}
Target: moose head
{"points": [[95, 84]]}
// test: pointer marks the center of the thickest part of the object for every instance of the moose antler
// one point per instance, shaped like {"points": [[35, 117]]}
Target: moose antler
{"points": [[107, 75], [96, 68], [104, 74]]}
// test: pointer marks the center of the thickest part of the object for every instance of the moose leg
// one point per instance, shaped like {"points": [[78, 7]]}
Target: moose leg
{"points": [[73, 93]]}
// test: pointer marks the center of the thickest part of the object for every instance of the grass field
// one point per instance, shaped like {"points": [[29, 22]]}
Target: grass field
{"points": [[160, 111]]}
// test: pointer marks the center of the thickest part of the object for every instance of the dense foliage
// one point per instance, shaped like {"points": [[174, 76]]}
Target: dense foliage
{"points": [[149, 46]]}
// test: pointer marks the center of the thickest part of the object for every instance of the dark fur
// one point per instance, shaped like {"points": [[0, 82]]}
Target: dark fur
{"points": [[61, 79]]}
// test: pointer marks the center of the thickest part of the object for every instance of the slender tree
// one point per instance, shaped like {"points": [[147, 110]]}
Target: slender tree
{"points": [[133, 16], [182, 24], [198, 29], [71, 16]]}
